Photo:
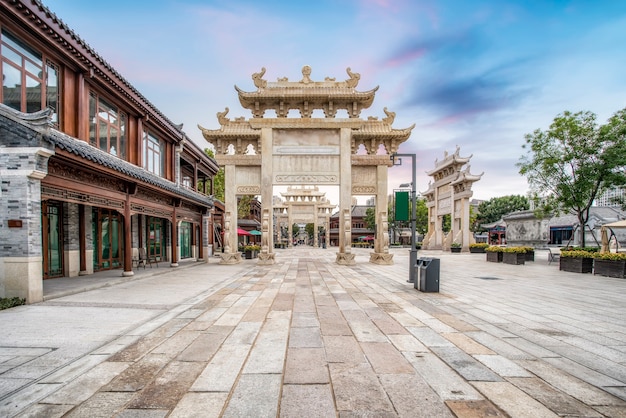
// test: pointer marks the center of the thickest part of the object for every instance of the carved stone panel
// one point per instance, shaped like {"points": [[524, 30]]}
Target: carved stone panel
{"points": [[248, 175], [364, 180]]}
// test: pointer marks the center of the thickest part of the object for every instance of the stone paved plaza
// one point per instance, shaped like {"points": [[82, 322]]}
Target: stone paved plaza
{"points": [[306, 337]]}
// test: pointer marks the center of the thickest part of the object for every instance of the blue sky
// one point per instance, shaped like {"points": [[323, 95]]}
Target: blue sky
{"points": [[477, 74]]}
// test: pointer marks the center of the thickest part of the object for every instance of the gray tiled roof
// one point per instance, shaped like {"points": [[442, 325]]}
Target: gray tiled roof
{"points": [[39, 121], [88, 152]]}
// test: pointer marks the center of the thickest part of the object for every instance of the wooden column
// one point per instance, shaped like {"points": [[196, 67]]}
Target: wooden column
{"points": [[128, 243]]}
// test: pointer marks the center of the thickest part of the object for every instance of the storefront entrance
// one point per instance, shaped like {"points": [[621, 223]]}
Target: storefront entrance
{"points": [[52, 226], [107, 231], [185, 236], [155, 238]]}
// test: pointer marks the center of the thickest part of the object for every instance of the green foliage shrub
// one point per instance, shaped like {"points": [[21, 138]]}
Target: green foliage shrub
{"points": [[6, 303]]}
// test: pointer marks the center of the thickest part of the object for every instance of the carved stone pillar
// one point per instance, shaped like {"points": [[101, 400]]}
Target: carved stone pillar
{"points": [[381, 244], [231, 255], [345, 200]]}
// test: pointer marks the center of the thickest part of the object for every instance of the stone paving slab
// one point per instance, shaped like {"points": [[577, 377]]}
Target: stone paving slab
{"points": [[307, 337]]}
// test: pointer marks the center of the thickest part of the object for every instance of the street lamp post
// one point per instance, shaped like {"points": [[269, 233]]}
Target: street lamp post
{"points": [[413, 253]]}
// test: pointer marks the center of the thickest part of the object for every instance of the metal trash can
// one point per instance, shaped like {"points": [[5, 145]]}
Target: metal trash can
{"points": [[415, 276], [428, 275]]}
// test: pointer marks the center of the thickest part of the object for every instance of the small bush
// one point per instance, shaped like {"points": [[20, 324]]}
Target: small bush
{"points": [[576, 254], [494, 249], [587, 249], [479, 245], [610, 256], [455, 245], [514, 250], [252, 248], [6, 303]]}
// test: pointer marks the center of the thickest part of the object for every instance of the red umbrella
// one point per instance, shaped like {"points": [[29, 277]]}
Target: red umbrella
{"points": [[242, 232]]}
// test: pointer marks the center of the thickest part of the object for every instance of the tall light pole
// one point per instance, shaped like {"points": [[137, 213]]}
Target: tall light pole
{"points": [[413, 253]]}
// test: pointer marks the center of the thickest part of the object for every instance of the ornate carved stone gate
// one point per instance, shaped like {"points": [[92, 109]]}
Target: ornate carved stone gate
{"points": [[259, 153], [449, 195]]}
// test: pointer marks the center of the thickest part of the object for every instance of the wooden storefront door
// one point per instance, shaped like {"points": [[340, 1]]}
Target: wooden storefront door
{"points": [[52, 230], [108, 239]]}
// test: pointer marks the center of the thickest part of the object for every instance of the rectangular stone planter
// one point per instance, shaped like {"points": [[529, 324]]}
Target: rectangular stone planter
{"points": [[477, 250], [514, 258], [610, 268], [251, 254], [494, 257], [576, 264], [530, 256]]}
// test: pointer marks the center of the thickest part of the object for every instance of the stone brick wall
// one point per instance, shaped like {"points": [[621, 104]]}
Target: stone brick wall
{"points": [[23, 161]]}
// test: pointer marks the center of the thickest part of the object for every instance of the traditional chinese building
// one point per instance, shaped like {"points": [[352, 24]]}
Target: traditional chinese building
{"points": [[92, 174]]}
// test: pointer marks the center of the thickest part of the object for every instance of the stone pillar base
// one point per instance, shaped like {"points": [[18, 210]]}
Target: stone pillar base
{"points": [[128, 273], [381, 258], [266, 259], [231, 258], [345, 259], [174, 265]]}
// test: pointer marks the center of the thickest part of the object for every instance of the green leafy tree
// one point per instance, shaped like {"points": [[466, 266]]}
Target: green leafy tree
{"points": [[310, 230], [370, 218], [218, 179], [295, 230], [421, 213], [493, 209], [446, 223], [574, 161], [243, 206]]}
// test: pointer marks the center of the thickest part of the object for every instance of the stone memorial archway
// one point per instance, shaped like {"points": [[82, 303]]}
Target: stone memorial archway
{"points": [[449, 195], [306, 205], [262, 152]]}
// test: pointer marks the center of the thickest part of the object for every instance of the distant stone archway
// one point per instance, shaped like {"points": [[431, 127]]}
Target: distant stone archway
{"points": [[449, 195], [305, 151]]}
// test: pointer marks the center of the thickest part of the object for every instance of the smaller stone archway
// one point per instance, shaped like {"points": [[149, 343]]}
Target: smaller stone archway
{"points": [[303, 204], [449, 195]]}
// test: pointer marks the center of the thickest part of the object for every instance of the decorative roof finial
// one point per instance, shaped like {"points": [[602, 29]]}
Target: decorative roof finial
{"points": [[258, 79], [306, 75], [353, 81]]}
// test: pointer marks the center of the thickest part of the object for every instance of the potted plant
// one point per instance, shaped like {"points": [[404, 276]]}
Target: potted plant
{"points": [[494, 253], [251, 251], [530, 253], [478, 248], [514, 255], [610, 264], [576, 261], [455, 247]]}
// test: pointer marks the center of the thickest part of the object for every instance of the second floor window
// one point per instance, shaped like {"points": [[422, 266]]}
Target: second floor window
{"points": [[29, 82], [154, 154], [107, 127]]}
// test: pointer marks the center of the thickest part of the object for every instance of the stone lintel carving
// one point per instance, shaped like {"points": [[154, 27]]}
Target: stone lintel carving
{"points": [[248, 190], [371, 160], [306, 179], [363, 190], [240, 160]]}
